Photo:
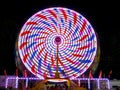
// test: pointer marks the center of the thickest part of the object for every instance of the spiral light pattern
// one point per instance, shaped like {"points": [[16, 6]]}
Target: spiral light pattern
{"points": [[39, 36]]}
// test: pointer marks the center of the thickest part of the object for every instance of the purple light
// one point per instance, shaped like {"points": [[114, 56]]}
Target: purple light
{"points": [[57, 40], [6, 83], [98, 84], [95, 79], [20, 78], [27, 79], [26, 82], [88, 83], [108, 83], [78, 82], [23, 78], [16, 85]]}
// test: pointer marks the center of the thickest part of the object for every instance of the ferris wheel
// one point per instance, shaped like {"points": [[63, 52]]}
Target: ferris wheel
{"points": [[59, 31]]}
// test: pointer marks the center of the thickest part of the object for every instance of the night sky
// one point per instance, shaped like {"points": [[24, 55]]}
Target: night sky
{"points": [[103, 16]]}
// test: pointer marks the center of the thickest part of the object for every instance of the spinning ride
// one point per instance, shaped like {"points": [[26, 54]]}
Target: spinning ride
{"points": [[57, 36]]}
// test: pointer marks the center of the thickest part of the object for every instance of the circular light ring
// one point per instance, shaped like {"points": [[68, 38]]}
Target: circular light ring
{"points": [[77, 46]]}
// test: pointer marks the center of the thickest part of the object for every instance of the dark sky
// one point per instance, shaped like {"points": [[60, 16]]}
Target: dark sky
{"points": [[103, 16]]}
